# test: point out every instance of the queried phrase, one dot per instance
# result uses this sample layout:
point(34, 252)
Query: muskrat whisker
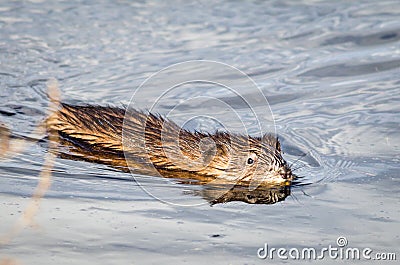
point(300, 157)
point(301, 166)
point(305, 194)
point(300, 187)
point(294, 198)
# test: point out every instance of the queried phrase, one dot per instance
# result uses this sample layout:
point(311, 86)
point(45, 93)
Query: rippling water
point(330, 71)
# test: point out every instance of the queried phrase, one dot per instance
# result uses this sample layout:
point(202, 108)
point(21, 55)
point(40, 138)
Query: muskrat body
point(131, 138)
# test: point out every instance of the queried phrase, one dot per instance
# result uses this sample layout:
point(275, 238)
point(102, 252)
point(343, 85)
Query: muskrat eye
point(251, 159)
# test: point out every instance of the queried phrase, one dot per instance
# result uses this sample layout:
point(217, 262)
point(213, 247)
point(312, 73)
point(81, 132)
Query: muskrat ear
point(272, 141)
point(278, 144)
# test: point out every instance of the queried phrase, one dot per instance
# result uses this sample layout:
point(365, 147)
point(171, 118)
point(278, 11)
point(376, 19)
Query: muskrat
point(125, 137)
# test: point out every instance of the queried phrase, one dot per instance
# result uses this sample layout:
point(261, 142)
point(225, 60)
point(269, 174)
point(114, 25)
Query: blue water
point(329, 70)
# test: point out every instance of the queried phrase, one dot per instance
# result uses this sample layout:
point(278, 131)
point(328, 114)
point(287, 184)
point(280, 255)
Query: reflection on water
point(329, 70)
point(260, 195)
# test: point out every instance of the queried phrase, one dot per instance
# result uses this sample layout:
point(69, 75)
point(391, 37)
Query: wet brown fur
point(150, 140)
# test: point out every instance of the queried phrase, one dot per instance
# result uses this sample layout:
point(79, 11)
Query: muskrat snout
point(285, 172)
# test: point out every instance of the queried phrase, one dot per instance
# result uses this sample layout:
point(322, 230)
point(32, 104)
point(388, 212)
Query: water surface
point(330, 71)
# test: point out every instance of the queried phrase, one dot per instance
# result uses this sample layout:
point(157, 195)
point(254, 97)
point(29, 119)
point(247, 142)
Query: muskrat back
point(120, 136)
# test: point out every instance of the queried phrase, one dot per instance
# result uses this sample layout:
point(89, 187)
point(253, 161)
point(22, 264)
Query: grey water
point(329, 70)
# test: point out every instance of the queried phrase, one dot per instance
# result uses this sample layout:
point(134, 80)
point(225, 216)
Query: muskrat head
point(251, 159)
